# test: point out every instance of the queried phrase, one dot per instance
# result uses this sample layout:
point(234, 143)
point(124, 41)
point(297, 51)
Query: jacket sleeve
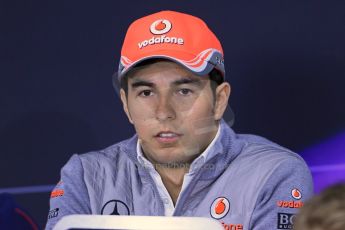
point(285, 191)
point(70, 196)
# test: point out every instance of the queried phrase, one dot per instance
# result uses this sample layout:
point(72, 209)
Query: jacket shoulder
point(264, 150)
point(111, 154)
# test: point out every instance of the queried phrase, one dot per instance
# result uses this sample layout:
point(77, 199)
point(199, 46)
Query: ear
point(125, 105)
point(222, 97)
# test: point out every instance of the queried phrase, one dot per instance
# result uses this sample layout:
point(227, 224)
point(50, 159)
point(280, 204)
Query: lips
point(167, 137)
point(167, 134)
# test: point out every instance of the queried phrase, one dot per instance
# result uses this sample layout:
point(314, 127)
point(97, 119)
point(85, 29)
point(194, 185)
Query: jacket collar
point(225, 149)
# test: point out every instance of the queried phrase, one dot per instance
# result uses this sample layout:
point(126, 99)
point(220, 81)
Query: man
point(324, 211)
point(184, 159)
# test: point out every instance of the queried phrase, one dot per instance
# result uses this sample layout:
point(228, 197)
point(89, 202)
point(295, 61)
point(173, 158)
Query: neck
point(173, 179)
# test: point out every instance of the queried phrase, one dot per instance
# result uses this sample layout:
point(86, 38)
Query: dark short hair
point(323, 211)
point(215, 76)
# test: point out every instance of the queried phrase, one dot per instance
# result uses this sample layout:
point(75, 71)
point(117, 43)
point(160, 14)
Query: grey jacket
point(250, 183)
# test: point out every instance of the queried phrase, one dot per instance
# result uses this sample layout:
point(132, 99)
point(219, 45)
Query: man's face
point(173, 111)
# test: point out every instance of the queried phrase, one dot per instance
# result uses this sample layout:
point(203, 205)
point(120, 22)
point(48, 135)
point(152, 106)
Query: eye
point(146, 93)
point(185, 91)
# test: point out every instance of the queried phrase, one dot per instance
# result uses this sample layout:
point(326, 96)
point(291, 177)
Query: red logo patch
point(220, 207)
point(295, 193)
point(290, 204)
point(232, 226)
point(161, 26)
point(56, 193)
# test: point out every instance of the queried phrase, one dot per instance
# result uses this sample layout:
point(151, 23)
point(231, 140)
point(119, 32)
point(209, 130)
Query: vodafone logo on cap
point(160, 26)
point(295, 193)
point(220, 207)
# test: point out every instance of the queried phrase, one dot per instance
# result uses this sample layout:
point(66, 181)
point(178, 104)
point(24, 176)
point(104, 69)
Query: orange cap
point(175, 36)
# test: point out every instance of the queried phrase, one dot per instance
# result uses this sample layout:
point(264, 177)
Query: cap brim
point(201, 64)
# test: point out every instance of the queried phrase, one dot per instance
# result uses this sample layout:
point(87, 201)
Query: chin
point(173, 160)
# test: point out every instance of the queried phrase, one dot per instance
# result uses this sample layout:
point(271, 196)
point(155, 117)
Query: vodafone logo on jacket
point(160, 26)
point(220, 207)
point(296, 203)
point(295, 193)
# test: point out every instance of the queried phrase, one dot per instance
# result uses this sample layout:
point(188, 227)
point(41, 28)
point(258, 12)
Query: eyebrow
point(139, 82)
point(182, 81)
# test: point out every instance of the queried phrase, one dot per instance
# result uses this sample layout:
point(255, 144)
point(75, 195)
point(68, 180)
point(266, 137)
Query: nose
point(165, 109)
